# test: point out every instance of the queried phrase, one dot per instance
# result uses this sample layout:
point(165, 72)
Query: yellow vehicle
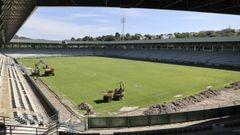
point(117, 94)
point(48, 70)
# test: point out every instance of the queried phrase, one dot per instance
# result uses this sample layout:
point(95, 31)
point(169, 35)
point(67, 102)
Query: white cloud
point(85, 15)
point(39, 27)
point(103, 21)
point(197, 16)
point(126, 12)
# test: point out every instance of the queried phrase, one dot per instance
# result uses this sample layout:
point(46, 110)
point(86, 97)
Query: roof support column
point(1, 23)
point(3, 38)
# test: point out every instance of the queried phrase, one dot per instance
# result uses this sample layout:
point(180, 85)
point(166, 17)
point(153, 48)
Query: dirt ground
point(226, 97)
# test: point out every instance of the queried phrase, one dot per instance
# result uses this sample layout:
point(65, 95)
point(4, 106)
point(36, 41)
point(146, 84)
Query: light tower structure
point(123, 21)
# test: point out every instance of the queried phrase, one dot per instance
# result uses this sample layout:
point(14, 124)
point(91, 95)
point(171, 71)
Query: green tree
point(202, 34)
point(78, 39)
point(108, 38)
point(228, 32)
point(127, 36)
point(87, 38)
point(147, 37)
point(238, 33)
point(99, 38)
point(136, 36)
point(117, 36)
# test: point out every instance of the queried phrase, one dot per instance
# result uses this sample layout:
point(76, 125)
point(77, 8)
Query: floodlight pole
point(123, 21)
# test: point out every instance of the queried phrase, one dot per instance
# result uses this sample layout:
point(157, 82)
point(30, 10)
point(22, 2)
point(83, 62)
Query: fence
point(4, 119)
point(171, 118)
point(8, 126)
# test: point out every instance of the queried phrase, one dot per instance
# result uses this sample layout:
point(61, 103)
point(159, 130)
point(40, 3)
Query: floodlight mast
point(123, 21)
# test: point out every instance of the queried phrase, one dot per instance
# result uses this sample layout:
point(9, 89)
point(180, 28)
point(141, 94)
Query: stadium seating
point(24, 110)
point(231, 59)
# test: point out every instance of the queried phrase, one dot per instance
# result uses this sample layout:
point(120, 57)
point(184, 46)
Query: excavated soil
point(229, 95)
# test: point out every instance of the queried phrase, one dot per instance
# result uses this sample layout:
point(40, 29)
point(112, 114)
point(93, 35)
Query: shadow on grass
point(99, 101)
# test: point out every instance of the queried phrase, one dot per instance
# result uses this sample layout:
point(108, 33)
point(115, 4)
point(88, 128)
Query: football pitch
point(146, 83)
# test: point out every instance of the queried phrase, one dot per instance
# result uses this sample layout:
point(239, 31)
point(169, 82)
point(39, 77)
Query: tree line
point(117, 36)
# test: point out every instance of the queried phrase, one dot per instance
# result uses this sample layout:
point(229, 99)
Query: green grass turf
point(146, 83)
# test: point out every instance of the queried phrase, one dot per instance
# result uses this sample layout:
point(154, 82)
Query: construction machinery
point(48, 70)
point(117, 94)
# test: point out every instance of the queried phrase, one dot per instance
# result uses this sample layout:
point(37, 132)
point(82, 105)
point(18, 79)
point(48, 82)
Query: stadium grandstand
point(15, 12)
point(210, 51)
point(31, 104)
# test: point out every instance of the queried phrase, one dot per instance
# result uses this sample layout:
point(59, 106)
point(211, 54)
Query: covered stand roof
point(13, 13)
point(134, 42)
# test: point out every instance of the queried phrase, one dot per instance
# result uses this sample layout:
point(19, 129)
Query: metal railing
point(9, 127)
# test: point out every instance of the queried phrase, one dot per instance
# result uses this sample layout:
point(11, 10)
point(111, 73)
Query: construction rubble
point(86, 106)
point(235, 85)
point(190, 100)
point(180, 103)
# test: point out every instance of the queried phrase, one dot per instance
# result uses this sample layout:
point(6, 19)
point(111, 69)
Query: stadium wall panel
point(135, 121)
point(50, 109)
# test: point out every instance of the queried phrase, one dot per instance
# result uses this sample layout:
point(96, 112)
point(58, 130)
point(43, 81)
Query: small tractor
point(48, 70)
point(117, 94)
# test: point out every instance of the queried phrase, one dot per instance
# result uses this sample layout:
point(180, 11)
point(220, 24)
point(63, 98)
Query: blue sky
point(58, 23)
